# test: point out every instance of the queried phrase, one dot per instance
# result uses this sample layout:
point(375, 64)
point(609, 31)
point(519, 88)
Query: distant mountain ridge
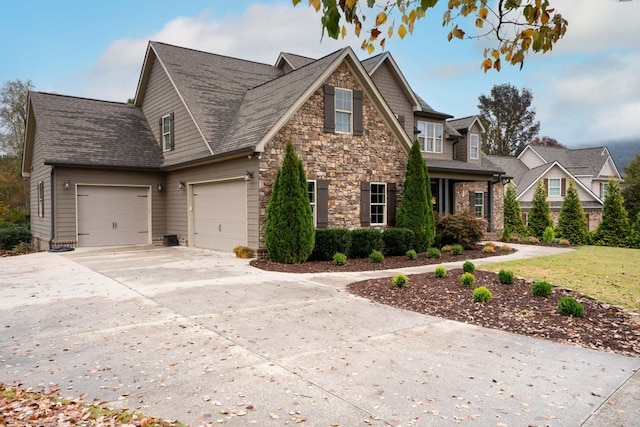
point(621, 151)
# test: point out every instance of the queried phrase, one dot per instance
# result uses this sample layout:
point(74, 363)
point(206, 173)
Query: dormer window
point(430, 136)
point(474, 146)
point(344, 110)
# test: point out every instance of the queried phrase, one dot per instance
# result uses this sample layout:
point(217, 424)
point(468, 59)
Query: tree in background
point(631, 191)
point(547, 141)
point(512, 214)
point(508, 118)
point(515, 27)
point(289, 231)
point(416, 210)
point(614, 226)
point(572, 224)
point(540, 213)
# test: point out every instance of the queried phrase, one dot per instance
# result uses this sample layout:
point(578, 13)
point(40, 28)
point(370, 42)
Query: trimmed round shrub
point(364, 241)
point(441, 272)
point(489, 250)
point(541, 289)
point(433, 253)
point(506, 277)
point(482, 294)
point(457, 249)
point(533, 240)
point(468, 267)
point(467, 279)
point(339, 258)
point(376, 256)
point(411, 254)
point(397, 241)
point(506, 248)
point(564, 242)
point(570, 307)
point(399, 281)
point(446, 249)
point(489, 244)
point(329, 241)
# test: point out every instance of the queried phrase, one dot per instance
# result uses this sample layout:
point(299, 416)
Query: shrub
point(397, 241)
point(548, 235)
point(433, 253)
point(506, 235)
point(533, 240)
point(446, 249)
point(512, 213)
point(491, 244)
point(243, 252)
point(467, 279)
point(506, 248)
point(482, 294)
point(376, 256)
point(564, 242)
point(339, 258)
point(399, 281)
point(364, 241)
point(572, 222)
point(468, 267)
point(489, 250)
point(22, 248)
point(570, 307)
point(457, 249)
point(541, 289)
point(462, 229)
point(12, 235)
point(440, 272)
point(329, 241)
point(505, 277)
point(539, 214)
point(614, 227)
point(411, 254)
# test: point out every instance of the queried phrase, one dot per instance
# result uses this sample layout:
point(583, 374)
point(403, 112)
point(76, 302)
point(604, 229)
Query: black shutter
point(365, 204)
point(391, 204)
point(322, 203)
point(563, 187)
point(329, 109)
point(357, 113)
point(171, 130)
point(546, 186)
point(160, 138)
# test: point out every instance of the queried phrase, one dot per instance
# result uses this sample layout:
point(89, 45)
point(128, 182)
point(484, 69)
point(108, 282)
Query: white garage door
point(220, 215)
point(113, 216)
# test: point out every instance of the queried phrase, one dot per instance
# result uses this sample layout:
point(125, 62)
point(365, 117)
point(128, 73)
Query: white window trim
point(384, 205)
point(166, 134)
point(559, 187)
point(474, 146)
point(337, 110)
point(314, 203)
point(475, 204)
point(604, 187)
point(423, 133)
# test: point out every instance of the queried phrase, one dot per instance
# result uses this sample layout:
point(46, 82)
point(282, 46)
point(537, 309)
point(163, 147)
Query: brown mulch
point(363, 264)
point(513, 309)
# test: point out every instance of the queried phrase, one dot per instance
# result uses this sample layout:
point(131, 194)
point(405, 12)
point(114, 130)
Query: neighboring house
point(589, 168)
point(196, 154)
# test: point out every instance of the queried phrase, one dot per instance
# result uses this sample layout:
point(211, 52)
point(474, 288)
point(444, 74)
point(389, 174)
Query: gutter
point(53, 222)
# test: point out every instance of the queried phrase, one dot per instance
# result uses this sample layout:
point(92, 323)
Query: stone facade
point(462, 199)
point(342, 159)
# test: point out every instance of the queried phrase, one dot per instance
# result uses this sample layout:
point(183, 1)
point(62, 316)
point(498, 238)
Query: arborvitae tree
point(416, 210)
point(634, 236)
point(512, 214)
point(614, 226)
point(572, 224)
point(289, 233)
point(540, 214)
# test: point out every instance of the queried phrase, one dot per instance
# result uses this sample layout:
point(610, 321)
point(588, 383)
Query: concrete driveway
point(200, 336)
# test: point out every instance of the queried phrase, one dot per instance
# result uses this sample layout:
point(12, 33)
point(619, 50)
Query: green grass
point(610, 275)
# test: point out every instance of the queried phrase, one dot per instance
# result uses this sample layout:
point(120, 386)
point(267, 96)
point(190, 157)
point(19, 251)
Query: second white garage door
point(220, 215)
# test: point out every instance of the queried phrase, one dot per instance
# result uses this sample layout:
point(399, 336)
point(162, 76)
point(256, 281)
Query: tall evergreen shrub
point(540, 213)
point(416, 210)
point(512, 214)
point(289, 231)
point(572, 224)
point(614, 226)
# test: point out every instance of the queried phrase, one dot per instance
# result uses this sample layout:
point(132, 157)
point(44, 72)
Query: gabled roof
point(465, 123)
point(87, 132)
point(294, 61)
point(373, 63)
point(512, 167)
point(426, 108)
point(581, 161)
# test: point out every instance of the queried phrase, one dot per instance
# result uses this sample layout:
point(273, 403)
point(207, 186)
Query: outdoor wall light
point(181, 185)
point(67, 184)
point(159, 187)
point(248, 175)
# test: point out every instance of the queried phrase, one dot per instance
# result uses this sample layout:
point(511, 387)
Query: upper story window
point(479, 204)
point(378, 203)
point(344, 110)
point(166, 132)
point(41, 198)
point(311, 190)
point(555, 187)
point(474, 146)
point(430, 136)
point(604, 187)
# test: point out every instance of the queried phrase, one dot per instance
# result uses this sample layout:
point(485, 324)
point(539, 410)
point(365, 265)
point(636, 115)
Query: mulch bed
point(513, 309)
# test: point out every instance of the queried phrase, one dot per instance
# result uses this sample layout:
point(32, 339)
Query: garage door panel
point(220, 215)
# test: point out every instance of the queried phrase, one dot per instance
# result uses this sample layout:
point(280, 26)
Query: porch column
point(447, 201)
point(490, 205)
point(441, 196)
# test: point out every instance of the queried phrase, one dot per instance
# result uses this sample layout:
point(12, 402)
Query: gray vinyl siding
point(65, 203)
point(474, 129)
point(161, 99)
point(40, 226)
point(177, 210)
point(395, 97)
point(462, 148)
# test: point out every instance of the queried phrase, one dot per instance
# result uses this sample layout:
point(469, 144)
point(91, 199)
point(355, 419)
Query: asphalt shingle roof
point(581, 161)
point(80, 131)
point(512, 167)
point(296, 61)
point(458, 165)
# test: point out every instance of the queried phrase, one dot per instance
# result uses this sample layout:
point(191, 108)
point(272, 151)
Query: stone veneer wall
point(342, 159)
point(462, 190)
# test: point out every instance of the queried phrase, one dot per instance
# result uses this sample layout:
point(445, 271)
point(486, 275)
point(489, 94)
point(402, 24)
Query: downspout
point(53, 222)
point(453, 147)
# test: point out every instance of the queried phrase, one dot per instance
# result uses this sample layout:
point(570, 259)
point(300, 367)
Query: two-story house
point(196, 153)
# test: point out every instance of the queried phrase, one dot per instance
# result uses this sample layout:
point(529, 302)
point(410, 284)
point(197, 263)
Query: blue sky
point(586, 91)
